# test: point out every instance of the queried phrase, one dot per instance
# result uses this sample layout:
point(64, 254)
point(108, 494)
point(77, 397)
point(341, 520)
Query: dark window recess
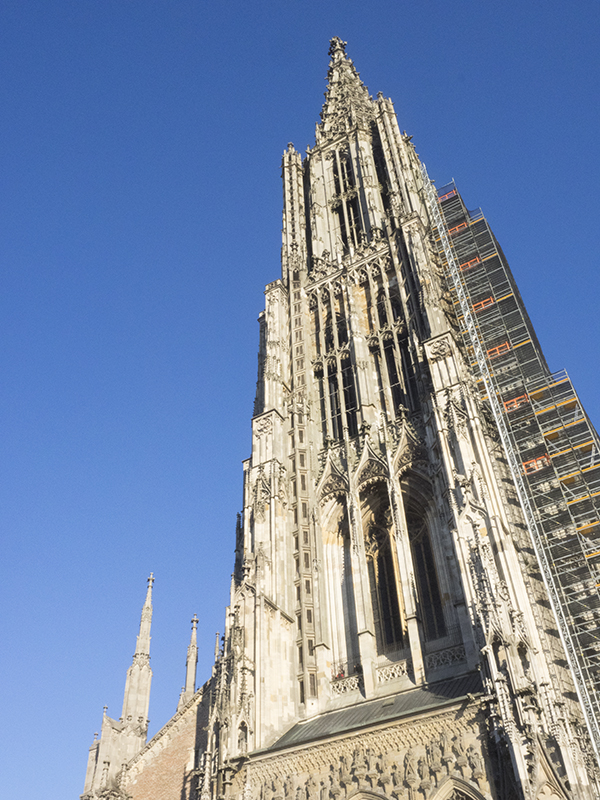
point(307, 587)
point(323, 406)
point(342, 330)
point(383, 585)
point(342, 222)
point(311, 647)
point(428, 591)
point(309, 616)
point(317, 329)
point(306, 561)
point(381, 309)
point(380, 169)
point(336, 176)
point(312, 683)
point(328, 333)
point(350, 398)
point(395, 303)
point(409, 375)
point(334, 404)
point(384, 595)
point(302, 698)
point(354, 220)
point(395, 385)
point(300, 656)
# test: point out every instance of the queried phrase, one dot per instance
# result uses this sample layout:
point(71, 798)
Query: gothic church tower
point(390, 632)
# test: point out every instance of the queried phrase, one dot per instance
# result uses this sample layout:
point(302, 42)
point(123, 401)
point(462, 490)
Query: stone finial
point(337, 48)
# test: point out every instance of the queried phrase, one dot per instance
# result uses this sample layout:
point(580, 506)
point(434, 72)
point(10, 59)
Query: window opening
point(334, 403)
point(381, 309)
point(382, 575)
point(428, 591)
point(350, 397)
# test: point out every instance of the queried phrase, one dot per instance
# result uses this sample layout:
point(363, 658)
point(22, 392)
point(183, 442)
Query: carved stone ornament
point(397, 763)
point(439, 350)
point(372, 472)
point(262, 495)
point(334, 486)
point(263, 427)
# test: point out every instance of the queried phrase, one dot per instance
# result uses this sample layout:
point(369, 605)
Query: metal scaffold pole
point(515, 466)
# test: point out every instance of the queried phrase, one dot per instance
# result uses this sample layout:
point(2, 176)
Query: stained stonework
point(389, 633)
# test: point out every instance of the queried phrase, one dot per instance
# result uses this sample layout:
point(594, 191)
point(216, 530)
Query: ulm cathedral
point(414, 605)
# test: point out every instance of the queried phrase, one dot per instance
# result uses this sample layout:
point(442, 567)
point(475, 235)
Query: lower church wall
point(165, 768)
point(428, 757)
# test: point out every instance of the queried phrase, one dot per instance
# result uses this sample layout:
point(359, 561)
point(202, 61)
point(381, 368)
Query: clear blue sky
point(140, 149)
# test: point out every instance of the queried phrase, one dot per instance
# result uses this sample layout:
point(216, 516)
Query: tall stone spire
point(347, 101)
point(190, 667)
point(139, 674)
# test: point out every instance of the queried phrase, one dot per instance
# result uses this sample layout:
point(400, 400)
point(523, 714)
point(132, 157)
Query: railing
point(346, 677)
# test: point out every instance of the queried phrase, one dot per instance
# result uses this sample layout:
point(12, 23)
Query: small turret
point(189, 689)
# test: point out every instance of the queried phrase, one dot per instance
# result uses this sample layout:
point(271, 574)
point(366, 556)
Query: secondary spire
point(190, 667)
point(139, 675)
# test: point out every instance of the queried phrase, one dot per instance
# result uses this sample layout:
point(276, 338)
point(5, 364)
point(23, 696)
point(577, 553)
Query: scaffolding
point(552, 449)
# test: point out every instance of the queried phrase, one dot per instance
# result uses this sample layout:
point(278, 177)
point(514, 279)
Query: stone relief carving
point(334, 486)
point(263, 427)
point(397, 761)
point(262, 495)
point(439, 350)
point(371, 473)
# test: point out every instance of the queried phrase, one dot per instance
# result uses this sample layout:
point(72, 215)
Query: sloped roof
point(385, 709)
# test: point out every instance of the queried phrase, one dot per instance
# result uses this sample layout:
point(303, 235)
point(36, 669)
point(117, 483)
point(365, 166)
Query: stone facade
point(389, 634)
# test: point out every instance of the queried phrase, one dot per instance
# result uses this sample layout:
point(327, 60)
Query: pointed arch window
point(381, 567)
point(428, 591)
